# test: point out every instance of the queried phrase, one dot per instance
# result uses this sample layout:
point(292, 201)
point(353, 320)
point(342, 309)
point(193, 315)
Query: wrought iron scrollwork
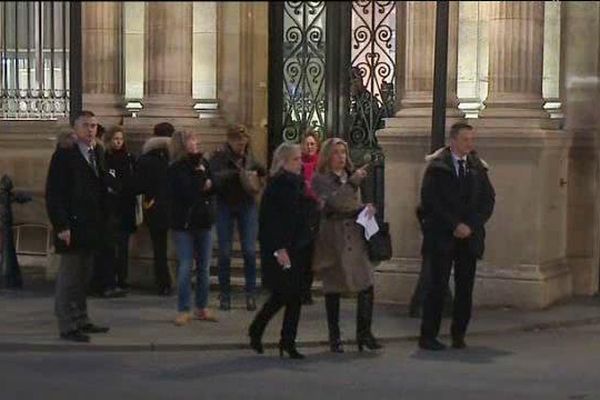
point(303, 68)
point(372, 95)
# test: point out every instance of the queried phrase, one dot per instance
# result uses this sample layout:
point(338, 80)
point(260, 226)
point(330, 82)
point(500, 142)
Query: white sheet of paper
point(369, 223)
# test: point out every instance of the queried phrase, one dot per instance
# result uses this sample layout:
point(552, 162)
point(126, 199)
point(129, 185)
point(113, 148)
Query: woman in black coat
point(284, 235)
point(120, 164)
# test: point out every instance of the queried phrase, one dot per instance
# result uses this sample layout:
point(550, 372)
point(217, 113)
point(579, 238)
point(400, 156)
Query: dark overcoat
point(121, 197)
point(190, 206)
point(76, 198)
point(225, 166)
point(284, 223)
point(442, 208)
point(151, 181)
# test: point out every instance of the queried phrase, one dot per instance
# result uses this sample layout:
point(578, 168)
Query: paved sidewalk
point(143, 322)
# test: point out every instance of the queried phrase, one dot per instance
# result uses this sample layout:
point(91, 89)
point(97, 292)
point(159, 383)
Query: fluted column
point(416, 96)
point(515, 60)
point(101, 27)
point(168, 78)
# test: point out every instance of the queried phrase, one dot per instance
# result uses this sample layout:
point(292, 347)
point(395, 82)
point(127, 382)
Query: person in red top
point(310, 154)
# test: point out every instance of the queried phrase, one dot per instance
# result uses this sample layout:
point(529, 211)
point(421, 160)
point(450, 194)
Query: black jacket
point(443, 207)
point(76, 198)
point(151, 181)
point(227, 176)
point(121, 196)
point(190, 207)
point(284, 224)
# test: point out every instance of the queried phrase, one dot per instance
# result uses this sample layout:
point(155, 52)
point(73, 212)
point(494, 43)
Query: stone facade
point(543, 241)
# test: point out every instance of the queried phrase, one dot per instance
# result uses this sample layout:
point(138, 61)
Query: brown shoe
point(205, 315)
point(182, 319)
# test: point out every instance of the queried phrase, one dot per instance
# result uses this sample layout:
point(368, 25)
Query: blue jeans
point(247, 221)
point(190, 245)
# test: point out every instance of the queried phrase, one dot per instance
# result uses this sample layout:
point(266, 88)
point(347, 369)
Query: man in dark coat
point(75, 201)
point(151, 180)
point(458, 199)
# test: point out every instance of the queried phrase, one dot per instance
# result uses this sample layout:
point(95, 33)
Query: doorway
point(332, 69)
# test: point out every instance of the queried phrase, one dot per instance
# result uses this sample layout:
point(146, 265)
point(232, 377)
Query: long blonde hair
point(177, 150)
point(281, 155)
point(324, 162)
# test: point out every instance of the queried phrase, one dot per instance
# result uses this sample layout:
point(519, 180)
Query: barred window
point(34, 76)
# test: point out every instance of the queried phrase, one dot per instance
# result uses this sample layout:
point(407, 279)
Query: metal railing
point(34, 59)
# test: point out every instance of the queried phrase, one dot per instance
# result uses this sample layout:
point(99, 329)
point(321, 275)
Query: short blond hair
point(281, 155)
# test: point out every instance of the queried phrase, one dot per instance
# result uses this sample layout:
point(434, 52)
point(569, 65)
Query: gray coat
point(341, 257)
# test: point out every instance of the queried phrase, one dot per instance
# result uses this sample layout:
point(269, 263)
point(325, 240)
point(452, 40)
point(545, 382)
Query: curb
point(15, 347)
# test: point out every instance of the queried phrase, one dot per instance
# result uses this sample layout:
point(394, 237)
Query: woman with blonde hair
point(284, 238)
point(341, 255)
point(191, 217)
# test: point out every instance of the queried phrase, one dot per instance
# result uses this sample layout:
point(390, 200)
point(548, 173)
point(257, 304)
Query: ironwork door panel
point(332, 70)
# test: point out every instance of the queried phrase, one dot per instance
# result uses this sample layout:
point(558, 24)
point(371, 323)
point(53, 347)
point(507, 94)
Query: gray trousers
point(70, 304)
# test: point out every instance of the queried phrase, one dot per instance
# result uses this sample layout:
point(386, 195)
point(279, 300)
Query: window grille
point(34, 69)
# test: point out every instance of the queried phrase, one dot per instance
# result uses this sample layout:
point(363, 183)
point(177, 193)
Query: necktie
point(92, 159)
point(461, 170)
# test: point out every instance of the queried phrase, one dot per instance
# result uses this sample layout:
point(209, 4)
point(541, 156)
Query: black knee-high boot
point(332, 305)
point(364, 317)
point(258, 325)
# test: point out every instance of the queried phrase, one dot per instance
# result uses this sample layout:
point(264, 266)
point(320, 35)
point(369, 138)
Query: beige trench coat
point(340, 258)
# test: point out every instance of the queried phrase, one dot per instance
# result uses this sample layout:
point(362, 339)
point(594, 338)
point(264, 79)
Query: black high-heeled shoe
point(256, 344)
point(369, 342)
point(336, 346)
point(291, 351)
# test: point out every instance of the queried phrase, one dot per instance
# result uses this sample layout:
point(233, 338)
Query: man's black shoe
point(75, 336)
point(91, 328)
point(458, 343)
point(165, 291)
point(431, 344)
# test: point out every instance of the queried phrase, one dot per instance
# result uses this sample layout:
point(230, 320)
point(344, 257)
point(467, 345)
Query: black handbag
point(202, 214)
point(380, 244)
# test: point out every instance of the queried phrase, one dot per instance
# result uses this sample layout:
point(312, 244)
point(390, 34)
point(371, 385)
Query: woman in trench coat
point(341, 257)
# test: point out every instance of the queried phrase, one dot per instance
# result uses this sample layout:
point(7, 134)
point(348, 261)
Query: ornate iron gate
point(332, 69)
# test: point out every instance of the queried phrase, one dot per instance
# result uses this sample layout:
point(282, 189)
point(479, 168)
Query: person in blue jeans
point(233, 167)
point(191, 216)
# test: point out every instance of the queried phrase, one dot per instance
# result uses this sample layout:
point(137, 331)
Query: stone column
point(102, 88)
point(416, 98)
point(516, 58)
point(168, 78)
point(406, 137)
point(580, 30)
